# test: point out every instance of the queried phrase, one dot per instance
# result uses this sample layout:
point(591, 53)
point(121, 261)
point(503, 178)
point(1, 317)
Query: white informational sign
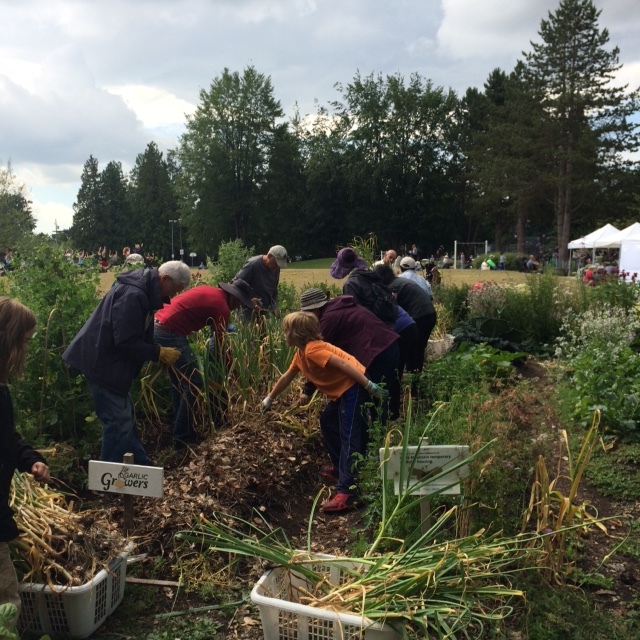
point(126, 479)
point(424, 462)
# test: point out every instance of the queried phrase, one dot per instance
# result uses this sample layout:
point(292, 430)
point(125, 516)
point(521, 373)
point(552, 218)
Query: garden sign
point(127, 479)
point(420, 464)
point(424, 462)
point(131, 479)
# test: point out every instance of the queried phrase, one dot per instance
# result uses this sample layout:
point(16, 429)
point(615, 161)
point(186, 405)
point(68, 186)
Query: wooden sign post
point(422, 463)
point(127, 479)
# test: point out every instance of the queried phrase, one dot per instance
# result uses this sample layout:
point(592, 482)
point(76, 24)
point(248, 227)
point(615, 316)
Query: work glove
point(266, 404)
point(374, 390)
point(168, 356)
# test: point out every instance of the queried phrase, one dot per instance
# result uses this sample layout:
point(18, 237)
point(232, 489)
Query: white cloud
point(52, 216)
point(106, 77)
point(155, 108)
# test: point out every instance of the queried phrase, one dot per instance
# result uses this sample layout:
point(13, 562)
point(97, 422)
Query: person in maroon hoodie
point(359, 332)
point(17, 326)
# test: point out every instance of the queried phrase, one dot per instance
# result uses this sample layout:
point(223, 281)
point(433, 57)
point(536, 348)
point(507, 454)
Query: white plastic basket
point(284, 618)
point(72, 612)
point(437, 348)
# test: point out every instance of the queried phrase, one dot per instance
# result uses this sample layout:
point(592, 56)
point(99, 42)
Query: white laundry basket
point(72, 612)
point(284, 618)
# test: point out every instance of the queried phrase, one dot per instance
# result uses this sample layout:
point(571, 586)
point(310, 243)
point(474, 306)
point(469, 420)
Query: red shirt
point(194, 309)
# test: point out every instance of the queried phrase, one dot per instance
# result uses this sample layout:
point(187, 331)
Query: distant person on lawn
point(115, 342)
point(341, 378)
point(262, 274)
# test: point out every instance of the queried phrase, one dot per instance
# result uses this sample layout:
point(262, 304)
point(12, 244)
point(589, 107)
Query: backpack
point(368, 291)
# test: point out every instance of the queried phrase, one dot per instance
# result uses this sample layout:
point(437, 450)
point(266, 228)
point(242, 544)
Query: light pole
point(181, 248)
point(173, 255)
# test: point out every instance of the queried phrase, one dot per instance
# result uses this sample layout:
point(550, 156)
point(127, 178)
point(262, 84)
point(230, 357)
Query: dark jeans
point(345, 432)
point(186, 383)
point(119, 433)
point(384, 369)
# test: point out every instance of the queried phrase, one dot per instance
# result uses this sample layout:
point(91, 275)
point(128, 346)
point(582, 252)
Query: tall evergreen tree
point(589, 117)
point(85, 232)
point(224, 156)
point(505, 149)
point(153, 201)
point(115, 228)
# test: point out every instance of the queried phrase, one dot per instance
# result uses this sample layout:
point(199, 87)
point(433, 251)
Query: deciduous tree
point(224, 156)
point(16, 217)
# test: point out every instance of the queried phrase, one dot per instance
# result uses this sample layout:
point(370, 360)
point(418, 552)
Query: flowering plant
point(603, 367)
point(485, 300)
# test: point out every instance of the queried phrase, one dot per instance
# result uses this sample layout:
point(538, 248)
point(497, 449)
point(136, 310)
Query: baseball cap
point(407, 263)
point(280, 254)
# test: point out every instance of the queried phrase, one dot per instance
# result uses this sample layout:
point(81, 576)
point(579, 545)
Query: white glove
point(266, 404)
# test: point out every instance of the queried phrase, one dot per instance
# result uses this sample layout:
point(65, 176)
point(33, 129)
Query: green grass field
point(307, 272)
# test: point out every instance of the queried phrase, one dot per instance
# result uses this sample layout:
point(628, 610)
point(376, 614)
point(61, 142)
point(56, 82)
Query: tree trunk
point(521, 227)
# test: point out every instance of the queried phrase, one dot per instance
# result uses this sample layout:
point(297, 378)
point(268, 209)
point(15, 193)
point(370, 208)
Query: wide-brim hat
point(313, 299)
point(240, 290)
point(346, 261)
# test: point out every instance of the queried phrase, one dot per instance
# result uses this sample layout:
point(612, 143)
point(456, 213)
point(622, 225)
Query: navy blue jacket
point(14, 454)
point(117, 339)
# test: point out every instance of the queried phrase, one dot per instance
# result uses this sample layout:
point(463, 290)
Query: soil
point(271, 464)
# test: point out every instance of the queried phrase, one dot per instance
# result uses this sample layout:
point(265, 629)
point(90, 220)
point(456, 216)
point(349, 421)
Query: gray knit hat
point(313, 299)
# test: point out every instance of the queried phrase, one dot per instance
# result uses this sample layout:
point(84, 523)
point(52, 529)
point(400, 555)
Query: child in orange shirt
point(341, 378)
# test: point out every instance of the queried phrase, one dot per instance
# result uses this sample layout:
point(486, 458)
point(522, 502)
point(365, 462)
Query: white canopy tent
point(615, 241)
point(628, 241)
point(597, 239)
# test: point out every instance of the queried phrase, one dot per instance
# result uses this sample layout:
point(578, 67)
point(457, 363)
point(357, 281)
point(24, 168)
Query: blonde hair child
point(341, 378)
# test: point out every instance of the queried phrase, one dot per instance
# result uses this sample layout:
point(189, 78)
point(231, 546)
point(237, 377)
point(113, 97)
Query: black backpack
point(366, 288)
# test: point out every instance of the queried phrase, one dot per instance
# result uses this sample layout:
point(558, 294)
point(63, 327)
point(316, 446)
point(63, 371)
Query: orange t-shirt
point(312, 363)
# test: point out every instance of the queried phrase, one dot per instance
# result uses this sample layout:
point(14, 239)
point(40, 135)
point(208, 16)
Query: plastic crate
point(284, 618)
point(72, 612)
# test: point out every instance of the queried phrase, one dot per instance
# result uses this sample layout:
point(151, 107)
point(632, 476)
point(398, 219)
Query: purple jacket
point(354, 329)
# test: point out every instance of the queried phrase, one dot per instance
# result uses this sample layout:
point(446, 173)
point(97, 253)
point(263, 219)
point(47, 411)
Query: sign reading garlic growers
point(126, 479)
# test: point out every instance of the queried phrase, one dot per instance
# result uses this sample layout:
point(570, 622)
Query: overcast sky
point(104, 78)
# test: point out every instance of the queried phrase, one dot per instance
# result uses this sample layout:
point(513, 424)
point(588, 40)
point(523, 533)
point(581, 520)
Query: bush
point(536, 309)
point(453, 298)
point(231, 256)
point(50, 400)
point(603, 368)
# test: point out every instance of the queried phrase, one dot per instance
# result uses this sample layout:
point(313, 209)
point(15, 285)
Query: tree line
point(545, 149)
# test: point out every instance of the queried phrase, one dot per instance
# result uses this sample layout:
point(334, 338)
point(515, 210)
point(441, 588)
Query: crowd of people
point(352, 348)
point(107, 258)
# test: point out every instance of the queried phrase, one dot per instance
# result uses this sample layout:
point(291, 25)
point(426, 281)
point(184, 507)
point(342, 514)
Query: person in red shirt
point(341, 378)
point(197, 308)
